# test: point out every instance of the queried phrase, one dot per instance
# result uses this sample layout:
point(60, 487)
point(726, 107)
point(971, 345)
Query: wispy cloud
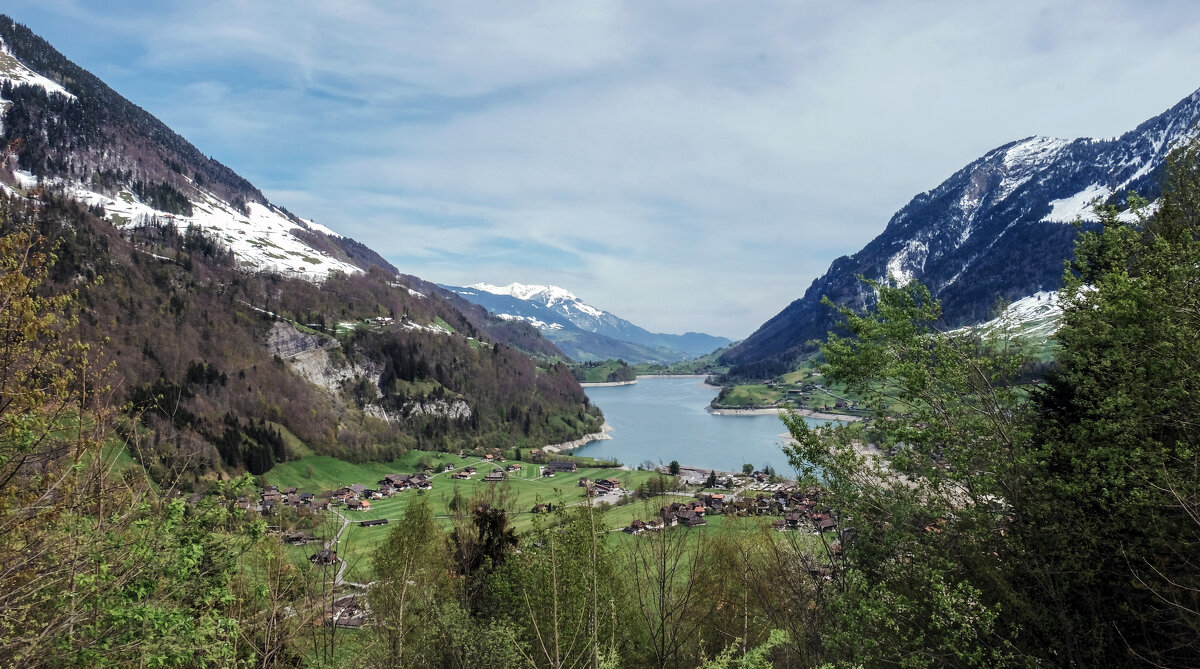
point(689, 166)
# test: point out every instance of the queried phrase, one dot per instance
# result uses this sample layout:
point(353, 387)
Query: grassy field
point(522, 490)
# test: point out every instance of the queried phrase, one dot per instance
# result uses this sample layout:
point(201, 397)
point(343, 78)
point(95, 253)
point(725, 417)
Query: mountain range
point(997, 230)
point(582, 331)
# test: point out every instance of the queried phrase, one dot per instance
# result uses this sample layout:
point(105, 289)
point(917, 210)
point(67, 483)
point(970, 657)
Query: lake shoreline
point(582, 441)
point(605, 384)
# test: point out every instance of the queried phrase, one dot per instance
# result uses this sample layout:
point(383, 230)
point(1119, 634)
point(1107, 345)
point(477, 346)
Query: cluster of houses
point(797, 510)
point(356, 497)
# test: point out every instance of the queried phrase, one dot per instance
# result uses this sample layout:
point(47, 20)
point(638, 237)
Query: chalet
point(289, 491)
point(691, 519)
point(449, 467)
point(470, 470)
point(489, 456)
point(460, 475)
point(357, 489)
point(292, 499)
point(561, 466)
point(610, 484)
point(323, 557)
point(584, 482)
point(826, 524)
point(358, 505)
point(396, 480)
point(513, 468)
point(345, 612)
point(792, 520)
point(494, 477)
point(636, 527)
point(373, 523)
point(298, 538)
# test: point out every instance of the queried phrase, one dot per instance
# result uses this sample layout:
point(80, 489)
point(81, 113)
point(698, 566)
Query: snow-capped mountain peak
point(523, 291)
point(563, 318)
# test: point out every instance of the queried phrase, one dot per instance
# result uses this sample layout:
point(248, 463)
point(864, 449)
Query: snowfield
point(15, 71)
point(261, 239)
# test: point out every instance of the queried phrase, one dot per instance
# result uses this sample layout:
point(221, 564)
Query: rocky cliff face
point(998, 229)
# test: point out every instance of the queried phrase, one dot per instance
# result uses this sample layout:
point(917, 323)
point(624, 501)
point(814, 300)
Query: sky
point(689, 166)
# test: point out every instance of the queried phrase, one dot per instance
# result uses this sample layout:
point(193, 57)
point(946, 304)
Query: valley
point(232, 436)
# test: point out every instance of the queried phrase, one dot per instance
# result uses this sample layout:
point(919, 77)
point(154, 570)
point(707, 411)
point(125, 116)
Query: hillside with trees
point(189, 337)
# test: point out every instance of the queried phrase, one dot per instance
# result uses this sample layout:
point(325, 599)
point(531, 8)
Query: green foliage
point(755, 658)
point(1004, 531)
point(411, 584)
point(100, 569)
point(1120, 458)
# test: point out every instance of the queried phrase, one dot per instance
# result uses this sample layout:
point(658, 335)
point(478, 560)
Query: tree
point(673, 468)
point(669, 573)
point(1121, 450)
point(99, 569)
point(747, 468)
point(926, 560)
point(561, 592)
point(411, 582)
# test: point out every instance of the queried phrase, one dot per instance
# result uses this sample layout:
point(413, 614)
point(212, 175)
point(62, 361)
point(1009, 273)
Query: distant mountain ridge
point(995, 230)
point(583, 331)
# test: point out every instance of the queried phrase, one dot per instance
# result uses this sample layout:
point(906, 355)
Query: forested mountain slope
point(234, 326)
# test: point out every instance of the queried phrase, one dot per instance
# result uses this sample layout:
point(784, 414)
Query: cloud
point(687, 165)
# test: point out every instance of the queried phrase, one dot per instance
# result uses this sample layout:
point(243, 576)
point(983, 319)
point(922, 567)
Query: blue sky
point(686, 165)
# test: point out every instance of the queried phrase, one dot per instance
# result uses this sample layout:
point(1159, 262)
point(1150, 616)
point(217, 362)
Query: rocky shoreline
point(584, 440)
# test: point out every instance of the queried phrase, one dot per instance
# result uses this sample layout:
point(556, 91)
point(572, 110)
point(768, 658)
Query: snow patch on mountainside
point(539, 324)
point(261, 239)
point(1078, 206)
point(903, 266)
point(1036, 317)
point(15, 71)
point(1025, 159)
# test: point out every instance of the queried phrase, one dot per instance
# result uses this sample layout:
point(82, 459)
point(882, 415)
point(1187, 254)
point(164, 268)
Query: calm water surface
point(664, 419)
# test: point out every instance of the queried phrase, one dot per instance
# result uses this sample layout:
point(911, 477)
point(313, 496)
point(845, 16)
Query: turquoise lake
point(661, 420)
